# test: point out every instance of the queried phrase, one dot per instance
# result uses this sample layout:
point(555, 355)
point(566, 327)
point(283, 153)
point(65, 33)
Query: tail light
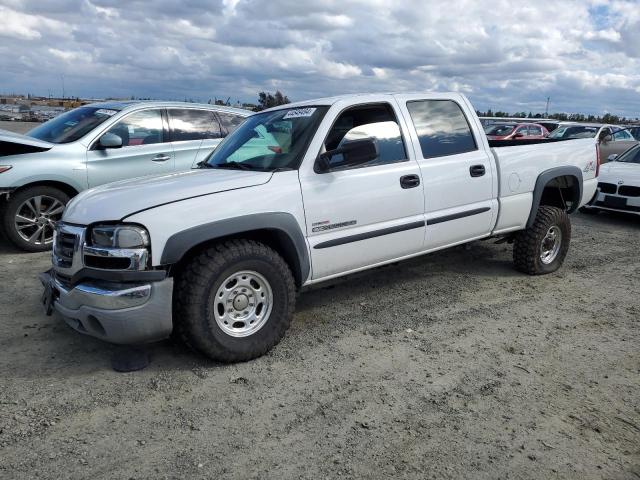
point(598, 161)
point(275, 149)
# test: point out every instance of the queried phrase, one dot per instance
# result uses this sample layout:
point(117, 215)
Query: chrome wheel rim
point(36, 217)
point(550, 245)
point(243, 303)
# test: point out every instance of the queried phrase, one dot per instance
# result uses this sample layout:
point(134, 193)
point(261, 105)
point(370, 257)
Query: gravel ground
point(18, 127)
point(449, 366)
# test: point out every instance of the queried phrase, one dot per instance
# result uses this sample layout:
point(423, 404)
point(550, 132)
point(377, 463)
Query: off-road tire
point(195, 323)
point(11, 206)
point(527, 247)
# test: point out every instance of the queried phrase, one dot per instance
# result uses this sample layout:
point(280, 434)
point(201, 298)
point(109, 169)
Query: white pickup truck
point(301, 194)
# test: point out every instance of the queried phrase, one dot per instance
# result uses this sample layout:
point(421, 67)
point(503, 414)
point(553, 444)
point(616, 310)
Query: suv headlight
point(119, 236)
point(117, 247)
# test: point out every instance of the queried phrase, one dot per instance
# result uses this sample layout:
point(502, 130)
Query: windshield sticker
point(105, 111)
point(299, 113)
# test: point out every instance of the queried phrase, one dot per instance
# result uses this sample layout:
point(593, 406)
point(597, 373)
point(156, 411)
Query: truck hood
point(15, 144)
point(613, 172)
point(115, 201)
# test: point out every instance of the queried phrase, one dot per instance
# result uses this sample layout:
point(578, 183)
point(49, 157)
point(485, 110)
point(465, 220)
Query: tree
point(267, 100)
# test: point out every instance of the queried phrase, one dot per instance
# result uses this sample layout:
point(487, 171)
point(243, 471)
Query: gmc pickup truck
point(297, 195)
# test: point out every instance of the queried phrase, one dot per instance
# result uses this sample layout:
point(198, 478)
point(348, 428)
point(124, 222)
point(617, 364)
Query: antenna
point(546, 110)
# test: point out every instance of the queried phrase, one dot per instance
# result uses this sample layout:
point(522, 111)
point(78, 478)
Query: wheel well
point(65, 187)
point(275, 239)
point(562, 192)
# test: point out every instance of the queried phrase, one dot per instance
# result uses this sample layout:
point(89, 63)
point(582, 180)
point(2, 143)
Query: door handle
point(409, 181)
point(477, 170)
point(161, 157)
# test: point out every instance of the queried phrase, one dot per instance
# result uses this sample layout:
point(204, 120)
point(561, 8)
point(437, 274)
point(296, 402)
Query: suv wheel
point(30, 215)
point(543, 247)
point(234, 301)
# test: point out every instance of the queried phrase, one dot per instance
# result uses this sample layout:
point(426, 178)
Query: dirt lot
point(18, 127)
point(448, 366)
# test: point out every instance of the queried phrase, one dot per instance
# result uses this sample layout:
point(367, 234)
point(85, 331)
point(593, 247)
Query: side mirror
point(354, 152)
point(518, 135)
point(612, 157)
point(110, 140)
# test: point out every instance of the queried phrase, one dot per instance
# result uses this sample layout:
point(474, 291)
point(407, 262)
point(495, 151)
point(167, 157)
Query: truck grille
point(607, 187)
point(67, 248)
point(64, 247)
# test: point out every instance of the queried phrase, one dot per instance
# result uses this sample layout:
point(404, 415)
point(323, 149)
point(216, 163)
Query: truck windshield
point(72, 125)
point(269, 140)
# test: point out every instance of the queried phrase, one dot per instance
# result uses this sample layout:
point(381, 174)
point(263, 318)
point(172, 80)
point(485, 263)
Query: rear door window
point(442, 128)
point(193, 124)
point(533, 130)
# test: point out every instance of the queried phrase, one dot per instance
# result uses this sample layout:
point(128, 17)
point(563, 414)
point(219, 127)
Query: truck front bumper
point(123, 313)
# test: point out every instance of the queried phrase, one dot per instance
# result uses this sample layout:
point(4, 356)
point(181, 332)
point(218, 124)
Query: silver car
point(96, 144)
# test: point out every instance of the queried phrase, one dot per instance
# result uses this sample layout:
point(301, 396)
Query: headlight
point(4, 168)
point(119, 236)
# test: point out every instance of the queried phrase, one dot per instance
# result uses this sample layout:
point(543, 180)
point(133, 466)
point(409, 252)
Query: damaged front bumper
point(124, 313)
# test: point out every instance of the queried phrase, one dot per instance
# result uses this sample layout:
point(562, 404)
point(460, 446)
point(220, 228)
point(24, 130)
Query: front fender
point(281, 222)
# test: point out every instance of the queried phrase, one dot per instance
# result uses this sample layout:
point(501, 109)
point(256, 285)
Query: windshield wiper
point(235, 165)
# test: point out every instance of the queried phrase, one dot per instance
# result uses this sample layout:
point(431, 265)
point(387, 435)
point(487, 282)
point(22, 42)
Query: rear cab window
point(442, 128)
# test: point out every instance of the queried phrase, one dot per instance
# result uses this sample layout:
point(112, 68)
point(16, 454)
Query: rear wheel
point(234, 301)
point(542, 248)
point(29, 217)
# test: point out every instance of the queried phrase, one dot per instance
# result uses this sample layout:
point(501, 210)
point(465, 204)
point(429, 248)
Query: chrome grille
point(67, 248)
point(63, 247)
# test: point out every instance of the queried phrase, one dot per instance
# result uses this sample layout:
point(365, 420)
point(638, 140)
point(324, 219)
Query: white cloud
point(582, 53)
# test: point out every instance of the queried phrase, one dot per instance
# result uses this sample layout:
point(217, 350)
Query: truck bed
point(519, 165)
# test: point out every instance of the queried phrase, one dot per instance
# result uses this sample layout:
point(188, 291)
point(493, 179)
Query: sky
point(505, 55)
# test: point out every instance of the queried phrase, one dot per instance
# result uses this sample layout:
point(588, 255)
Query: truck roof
point(328, 101)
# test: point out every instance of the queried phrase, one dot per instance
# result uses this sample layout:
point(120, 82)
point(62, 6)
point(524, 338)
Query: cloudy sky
point(508, 55)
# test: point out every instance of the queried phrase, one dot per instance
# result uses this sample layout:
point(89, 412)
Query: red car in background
point(515, 131)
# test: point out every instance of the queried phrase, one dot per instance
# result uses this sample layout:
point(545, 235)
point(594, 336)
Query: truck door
point(360, 216)
point(457, 168)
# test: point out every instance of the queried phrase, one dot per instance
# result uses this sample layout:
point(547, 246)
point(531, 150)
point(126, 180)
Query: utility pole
point(546, 110)
point(62, 86)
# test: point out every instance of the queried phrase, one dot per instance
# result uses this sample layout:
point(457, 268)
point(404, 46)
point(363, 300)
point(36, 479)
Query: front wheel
point(542, 248)
point(30, 215)
point(234, 301)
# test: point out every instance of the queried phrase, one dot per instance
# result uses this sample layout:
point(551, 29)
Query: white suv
point(96, 144)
